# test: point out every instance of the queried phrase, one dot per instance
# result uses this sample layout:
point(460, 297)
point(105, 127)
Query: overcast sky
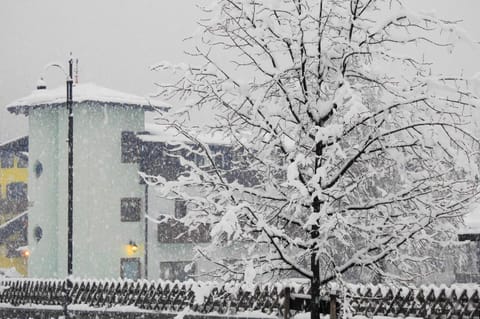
point(117, 40)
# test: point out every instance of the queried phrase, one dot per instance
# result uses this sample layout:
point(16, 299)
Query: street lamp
point(69, 101)
point(69, 82)
point(131, 248)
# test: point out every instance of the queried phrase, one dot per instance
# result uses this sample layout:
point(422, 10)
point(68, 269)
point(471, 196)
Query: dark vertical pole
point(314, 260)
point(70, 166)
point(286, 303)
point(315, 268)
point(145, 246)
point(333, 305)
point(68, 284)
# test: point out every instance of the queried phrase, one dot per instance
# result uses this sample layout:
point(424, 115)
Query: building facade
point(13, 206)
point(108, 200)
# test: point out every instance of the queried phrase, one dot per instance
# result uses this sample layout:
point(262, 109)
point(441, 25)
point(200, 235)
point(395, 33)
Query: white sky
point(117, 40)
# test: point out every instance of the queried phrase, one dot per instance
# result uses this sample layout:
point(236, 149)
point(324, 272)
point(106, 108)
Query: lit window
point(130, 268)
point(130, 209)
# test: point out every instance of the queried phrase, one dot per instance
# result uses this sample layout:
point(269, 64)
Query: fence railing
point(163, 299)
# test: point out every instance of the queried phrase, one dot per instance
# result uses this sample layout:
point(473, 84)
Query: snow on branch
point(344, 158)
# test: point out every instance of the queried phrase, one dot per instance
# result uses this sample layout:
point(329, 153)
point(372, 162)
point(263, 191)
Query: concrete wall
point(44, 149)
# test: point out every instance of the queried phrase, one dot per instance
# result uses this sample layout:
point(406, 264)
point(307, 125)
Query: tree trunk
point(315, 282)
point(314, 261)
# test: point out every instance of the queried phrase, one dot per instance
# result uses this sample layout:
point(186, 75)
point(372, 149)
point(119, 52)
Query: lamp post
point(70, 170)
point(69, 103)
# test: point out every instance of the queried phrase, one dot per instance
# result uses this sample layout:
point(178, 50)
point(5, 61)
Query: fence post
point(333, 304)
point(286, 303)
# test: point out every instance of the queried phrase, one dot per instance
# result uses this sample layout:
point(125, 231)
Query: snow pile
point(9, 273)
point(82, 93)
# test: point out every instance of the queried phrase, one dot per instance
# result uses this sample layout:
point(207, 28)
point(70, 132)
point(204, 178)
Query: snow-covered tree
point(359, 156)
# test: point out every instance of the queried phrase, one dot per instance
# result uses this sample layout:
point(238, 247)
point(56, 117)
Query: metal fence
point(30, 298)
point(460, 301)
point(105, 299)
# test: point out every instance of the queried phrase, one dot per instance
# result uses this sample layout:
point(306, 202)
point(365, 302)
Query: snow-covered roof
point(18, 145)
point(82, 93)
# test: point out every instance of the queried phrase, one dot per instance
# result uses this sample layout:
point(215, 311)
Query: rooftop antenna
point(76, 71)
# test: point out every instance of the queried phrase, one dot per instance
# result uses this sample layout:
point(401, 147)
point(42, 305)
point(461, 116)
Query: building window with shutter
point(130, 209)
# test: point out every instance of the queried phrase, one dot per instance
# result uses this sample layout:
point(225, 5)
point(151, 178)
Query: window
point(12, 251)
point(130, 209)
point(180, 209)
point(38, 169)
point(171, 231)
point(131, 148)
point(177, 270)
point(16, 197)
point(130, 268)
point(199, 160)
point(218, 160)
point(22, 161)
point(37, 233)
point(17, 192)
point(6, 159)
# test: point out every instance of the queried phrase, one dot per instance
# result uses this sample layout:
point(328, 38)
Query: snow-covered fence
point(147, 298)
point(458, 301)
point(162, 299)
